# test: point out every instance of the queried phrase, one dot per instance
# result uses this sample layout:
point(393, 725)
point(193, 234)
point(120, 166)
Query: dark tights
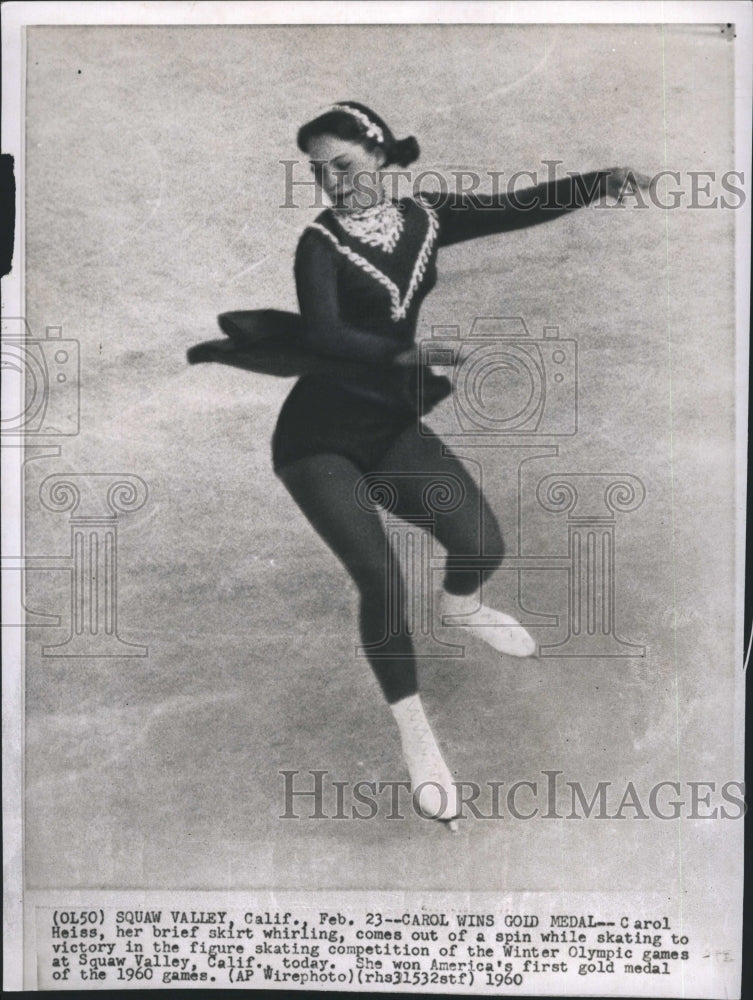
point(326, 488)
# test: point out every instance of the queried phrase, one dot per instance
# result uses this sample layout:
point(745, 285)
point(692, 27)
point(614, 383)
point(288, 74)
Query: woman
point(361, 275)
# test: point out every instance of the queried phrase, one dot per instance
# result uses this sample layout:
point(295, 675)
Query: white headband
point(372, 129)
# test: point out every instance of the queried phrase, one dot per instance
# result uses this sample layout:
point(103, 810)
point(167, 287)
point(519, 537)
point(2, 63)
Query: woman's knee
point(472, 530)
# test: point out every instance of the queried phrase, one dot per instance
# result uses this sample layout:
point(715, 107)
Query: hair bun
point(405, 151)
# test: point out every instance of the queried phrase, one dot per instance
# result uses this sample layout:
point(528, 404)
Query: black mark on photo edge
point(7, 212)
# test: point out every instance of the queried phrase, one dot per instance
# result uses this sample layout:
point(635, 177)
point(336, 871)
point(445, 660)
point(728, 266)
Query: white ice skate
point(500, 631)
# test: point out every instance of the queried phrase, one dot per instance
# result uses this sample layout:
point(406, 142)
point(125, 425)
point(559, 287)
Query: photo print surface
point(411, 588)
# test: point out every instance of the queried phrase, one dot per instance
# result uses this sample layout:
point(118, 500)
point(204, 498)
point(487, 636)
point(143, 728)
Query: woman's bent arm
point(324, 330)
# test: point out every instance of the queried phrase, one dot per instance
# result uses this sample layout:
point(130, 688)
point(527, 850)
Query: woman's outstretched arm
point(324, 330)
point(468, 216)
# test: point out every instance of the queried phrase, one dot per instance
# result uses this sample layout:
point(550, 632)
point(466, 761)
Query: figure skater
point(362, 270)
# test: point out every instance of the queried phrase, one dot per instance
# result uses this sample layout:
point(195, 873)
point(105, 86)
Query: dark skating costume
point(359, 303)
point(360, 290)
point(360, 282)
point(361, 278)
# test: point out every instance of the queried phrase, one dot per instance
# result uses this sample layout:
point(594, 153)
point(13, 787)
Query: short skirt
point(327, 415)
point(337, 407)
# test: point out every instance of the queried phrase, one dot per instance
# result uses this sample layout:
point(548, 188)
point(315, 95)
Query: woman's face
point(346, 171)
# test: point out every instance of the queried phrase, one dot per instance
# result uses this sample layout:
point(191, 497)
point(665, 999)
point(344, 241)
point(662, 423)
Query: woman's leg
point(324, 487)
point(468, 530)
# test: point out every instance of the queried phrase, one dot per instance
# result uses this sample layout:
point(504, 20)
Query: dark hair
point(351, 126)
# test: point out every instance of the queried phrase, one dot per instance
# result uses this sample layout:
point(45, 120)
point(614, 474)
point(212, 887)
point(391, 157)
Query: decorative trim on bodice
point(399, 307)
point(377, 226)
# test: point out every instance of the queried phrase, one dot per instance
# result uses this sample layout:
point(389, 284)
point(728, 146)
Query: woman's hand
point(406, 359)
point(625, 180)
